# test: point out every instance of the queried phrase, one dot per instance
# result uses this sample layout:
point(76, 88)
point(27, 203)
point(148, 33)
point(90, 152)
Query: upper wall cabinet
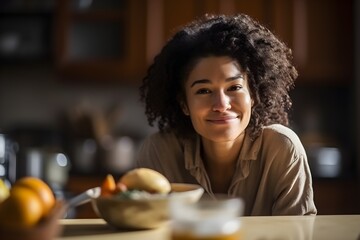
point(101, 39)
point(113, 39)
point(165, 17)
point(320, 33)
point(25, 31)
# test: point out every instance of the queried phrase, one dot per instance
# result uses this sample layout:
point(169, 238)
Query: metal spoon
point(84, 197)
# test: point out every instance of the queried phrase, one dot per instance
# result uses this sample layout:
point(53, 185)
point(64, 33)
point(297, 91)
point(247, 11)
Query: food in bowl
point(137, 183)
point(146, 179)
point(140, 199)
point(146, 212)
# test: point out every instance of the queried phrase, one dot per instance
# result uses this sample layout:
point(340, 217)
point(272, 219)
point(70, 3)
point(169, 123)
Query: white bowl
point(144, 213)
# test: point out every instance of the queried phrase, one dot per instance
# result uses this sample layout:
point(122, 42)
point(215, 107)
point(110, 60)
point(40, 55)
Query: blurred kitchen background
point(70, 71)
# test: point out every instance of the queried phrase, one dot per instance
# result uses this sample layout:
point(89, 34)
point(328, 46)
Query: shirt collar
point(192, 153)
point(250, 148)
point(195, 165)
point(192, 148)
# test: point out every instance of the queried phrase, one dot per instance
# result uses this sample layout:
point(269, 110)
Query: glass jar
point(208, 219)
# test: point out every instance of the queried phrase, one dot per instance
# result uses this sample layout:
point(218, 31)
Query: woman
point(218, 92)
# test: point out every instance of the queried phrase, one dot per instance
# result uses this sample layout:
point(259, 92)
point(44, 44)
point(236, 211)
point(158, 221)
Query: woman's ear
point(184, 108)
point(183, 105)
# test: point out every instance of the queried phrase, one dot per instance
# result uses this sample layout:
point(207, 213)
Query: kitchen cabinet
point(330, 41)
point(25, 32)
point(320, 34)
point(190, 9)
point(119, 41)
point(102, 40)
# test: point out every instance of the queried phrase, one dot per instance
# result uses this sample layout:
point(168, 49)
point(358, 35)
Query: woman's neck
point(222, 154)
point(220, 161)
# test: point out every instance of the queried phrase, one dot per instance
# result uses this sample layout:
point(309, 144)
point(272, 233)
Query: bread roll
point(146, 179)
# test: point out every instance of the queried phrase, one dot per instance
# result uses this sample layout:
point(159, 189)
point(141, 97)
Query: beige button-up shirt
point(272, 175)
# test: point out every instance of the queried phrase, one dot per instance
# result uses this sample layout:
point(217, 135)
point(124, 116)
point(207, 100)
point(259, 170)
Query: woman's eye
point(203, 91)
point(235, 88)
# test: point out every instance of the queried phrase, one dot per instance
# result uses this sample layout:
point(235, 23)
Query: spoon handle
point(84, 197)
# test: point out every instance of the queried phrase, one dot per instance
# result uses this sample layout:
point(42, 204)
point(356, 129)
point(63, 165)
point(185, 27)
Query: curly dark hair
point(266, 60)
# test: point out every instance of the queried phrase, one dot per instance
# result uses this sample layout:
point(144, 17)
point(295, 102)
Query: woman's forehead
point(208, 66)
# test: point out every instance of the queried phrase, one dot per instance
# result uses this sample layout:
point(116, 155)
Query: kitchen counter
point(344, 227)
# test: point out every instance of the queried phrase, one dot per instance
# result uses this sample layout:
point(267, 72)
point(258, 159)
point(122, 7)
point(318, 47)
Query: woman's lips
point(223, 120)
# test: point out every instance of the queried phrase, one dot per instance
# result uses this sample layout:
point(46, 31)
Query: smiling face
point(218, 99)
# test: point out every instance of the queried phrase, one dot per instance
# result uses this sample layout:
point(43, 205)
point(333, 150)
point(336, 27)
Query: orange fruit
point(22, 209)
point(108, 186)
point(40, 188)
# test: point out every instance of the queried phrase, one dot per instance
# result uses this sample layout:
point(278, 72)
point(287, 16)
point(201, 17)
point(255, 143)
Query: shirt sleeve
point(293, 191)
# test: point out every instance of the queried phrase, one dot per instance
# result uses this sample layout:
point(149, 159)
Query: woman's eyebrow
point(236, 77)
point(200, 81)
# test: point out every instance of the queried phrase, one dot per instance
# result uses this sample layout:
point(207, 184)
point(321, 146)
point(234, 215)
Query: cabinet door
point(178, 13)
point(329, 41)
point(101, 41)
point(320, 34)
point(165, 17)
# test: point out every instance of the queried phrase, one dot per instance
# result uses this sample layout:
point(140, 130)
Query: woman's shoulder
point(284, 143)
point(279, 131)
point(280, 135)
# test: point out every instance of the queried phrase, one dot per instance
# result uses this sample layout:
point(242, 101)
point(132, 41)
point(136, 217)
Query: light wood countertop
point(337, 227)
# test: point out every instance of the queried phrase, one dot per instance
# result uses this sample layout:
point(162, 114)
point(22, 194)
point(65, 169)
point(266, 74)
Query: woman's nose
point(221, 102)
